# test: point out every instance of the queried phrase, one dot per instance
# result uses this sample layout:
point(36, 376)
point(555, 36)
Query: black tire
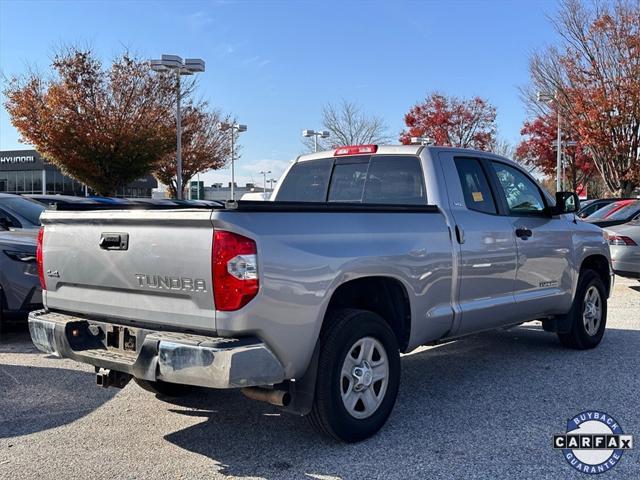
point(164, 388)
point(578, 336)
point(329, 415)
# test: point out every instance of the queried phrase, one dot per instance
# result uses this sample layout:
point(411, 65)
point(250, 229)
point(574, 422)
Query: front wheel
point(358, 376)
point(588, 314)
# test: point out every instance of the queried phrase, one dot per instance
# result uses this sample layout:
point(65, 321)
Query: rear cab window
point(368, 179)
point(306, 182)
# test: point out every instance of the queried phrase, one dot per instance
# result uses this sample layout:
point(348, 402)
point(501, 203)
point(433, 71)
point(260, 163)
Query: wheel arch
point(599, 264)
point(383, 295)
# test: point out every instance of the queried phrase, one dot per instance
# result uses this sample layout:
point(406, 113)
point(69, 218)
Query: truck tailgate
point(141, 266)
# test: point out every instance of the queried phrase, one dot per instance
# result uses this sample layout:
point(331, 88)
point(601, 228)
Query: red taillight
point(355, 150)
point(40, 258)
point(621, 240)
point(235, 270)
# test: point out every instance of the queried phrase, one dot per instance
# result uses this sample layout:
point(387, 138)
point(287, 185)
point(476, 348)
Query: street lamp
point(174, 63)
point(315, 134)
point(271, 182)
point(547, 97)
point(264, 180)
point(234, 127)
point(566, 145)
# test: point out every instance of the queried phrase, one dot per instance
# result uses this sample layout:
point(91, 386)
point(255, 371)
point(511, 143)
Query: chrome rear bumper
point(182, 358)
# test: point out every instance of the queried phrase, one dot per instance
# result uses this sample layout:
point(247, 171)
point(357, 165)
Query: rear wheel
point(164, 388)
point(358, 376)
point(588, 315)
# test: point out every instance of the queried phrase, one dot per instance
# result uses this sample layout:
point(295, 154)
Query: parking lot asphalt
point(481, 407)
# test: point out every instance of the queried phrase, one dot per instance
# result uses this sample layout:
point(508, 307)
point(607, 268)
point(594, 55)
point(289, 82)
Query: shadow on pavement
point(492, 401)
point(15, 338)
point(33, 399)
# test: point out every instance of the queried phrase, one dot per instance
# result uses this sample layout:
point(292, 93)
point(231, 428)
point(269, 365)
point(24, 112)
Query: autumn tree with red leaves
point(594, 76)
point(452, 121)
point(538, 149)
point(103, 127)
point(106, 127)
point(204, 147)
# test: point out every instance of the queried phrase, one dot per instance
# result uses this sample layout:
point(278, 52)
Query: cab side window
point(522, 194)
point(475, 186)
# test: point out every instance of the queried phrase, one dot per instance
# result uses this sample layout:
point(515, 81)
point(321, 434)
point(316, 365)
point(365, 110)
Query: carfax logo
point(594, 442)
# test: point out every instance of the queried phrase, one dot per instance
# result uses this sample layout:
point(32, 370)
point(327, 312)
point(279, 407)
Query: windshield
point(604, 211)
point(26, 208)
point(625, 212)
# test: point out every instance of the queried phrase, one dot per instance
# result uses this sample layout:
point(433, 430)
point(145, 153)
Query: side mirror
point(566, 202)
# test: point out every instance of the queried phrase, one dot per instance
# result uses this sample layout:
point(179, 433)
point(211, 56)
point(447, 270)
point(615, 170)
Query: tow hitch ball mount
point(110, 378)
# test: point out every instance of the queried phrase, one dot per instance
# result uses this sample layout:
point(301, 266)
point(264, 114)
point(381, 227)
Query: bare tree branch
point(348, 124)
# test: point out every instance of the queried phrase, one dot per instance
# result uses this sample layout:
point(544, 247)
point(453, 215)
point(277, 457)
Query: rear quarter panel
point(304, 257)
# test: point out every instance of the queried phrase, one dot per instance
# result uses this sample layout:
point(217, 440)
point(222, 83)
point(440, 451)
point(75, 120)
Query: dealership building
point(26, 172)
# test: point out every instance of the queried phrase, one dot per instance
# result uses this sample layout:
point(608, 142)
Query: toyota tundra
point(307, 301)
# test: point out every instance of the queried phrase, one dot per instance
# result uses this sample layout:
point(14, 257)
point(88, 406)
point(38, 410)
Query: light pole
point(547, 97)
point(315, 134)
point(271, 182)
point(566, 145)
point(264, 180)
point(234, 127)
point(187, 67)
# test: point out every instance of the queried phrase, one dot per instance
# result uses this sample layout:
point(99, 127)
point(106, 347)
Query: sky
point(274, 64)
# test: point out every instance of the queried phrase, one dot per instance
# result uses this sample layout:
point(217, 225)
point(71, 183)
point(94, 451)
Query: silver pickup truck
point(307, 301)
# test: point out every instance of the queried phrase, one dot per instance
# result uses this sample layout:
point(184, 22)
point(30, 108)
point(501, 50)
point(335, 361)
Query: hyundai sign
point(12, 159)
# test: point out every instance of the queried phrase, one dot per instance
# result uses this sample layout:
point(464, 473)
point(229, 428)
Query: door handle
point(459, 235)
point(523, 232)
point(114, 241)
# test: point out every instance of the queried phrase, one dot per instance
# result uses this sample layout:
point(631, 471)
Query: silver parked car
point(624, 242)
point(19, 212)
point(19, 285)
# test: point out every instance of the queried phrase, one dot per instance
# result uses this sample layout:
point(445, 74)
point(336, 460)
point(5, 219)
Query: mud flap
point(557, 324)
point(303, 389)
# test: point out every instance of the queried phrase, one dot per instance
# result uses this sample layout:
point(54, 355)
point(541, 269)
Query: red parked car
point(608, 210)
